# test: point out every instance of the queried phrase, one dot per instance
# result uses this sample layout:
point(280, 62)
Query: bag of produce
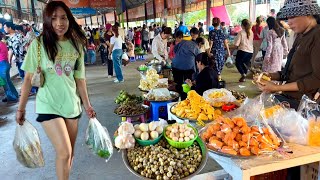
point(98, 139)
point(26, 143)
point(291, 125)
point(125, 139)
point(160, 94)
point(218, 97)
point(311, 111)
point(235, 136)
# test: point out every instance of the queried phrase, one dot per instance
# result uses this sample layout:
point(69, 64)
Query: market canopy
point(82, 8)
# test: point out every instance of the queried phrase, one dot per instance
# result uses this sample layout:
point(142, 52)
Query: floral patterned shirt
point(17, 44)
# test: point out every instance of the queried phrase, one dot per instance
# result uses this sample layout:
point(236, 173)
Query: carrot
point(244, 151)
point(216, 144)
point(228, 150)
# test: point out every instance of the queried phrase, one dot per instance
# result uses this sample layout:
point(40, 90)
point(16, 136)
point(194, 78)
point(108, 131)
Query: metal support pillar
point(183, 9)
point(208, 14)
point(33, 11)
point(145, 13)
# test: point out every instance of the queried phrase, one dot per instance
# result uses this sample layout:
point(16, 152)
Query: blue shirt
point(185, 54)
point(184, 29)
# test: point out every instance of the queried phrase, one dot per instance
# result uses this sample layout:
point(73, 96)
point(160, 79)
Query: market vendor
point(207, 77)
point(159, 45)
point(302, 71)
point(183, 64)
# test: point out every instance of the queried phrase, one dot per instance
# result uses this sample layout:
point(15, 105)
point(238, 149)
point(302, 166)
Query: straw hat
point(294, 8)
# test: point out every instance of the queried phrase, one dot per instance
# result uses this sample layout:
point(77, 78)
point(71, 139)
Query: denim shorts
point(47, 117)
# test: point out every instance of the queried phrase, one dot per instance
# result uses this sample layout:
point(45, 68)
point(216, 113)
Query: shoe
point(242, 79)
point(103, 64)
point(109, 76)
point(4, 100)
point(117, 81)
point(31, 94)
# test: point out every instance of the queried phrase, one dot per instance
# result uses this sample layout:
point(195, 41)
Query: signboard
point(150, 8)
point(83, 11)
point(110, 17)
point(102, 3)
point(174, 4)
point(10, 3)
point(159, 5)
point(76, 3)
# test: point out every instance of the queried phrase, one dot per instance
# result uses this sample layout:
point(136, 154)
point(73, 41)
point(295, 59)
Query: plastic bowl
point(149, 142)
point(186, 88)
point(181, 145)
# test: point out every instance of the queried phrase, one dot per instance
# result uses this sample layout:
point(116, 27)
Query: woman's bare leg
point(56, 130)
point(72, 127)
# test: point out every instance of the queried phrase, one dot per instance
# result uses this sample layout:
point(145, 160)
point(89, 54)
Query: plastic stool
point(155, 107)
point(132, 59)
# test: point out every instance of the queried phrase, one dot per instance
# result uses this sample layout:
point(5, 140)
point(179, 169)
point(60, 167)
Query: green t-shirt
point(59, 93)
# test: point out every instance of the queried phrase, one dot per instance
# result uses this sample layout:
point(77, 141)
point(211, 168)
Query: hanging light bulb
point(7, 16)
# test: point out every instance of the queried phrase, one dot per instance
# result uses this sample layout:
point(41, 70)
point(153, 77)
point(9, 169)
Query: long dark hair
point(247, 27)
point(115, 30)
point(50, 38)
point(205, 59)
point(273, 24)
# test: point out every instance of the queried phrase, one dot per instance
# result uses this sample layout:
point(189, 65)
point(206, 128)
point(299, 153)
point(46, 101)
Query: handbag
point(38, 77)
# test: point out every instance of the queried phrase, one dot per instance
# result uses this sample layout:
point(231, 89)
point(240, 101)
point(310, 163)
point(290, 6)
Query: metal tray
point(185, 118)
point(146, 110)
point(230, 155)
point(201, 166)
point(174, 96)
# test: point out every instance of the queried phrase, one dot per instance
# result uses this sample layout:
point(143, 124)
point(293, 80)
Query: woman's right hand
point(20, 116)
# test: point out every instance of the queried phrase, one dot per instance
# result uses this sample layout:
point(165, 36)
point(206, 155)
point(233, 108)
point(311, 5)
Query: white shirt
point(116, 42)
point(159, 48)
point(151, 34)
point(243, 43)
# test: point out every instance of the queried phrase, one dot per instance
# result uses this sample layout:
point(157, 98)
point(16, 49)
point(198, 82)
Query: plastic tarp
point(222, 13)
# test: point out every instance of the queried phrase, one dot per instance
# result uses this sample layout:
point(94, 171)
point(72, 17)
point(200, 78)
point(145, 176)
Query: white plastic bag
point(229, 62)
point(160, 94)
point(215, 96)
point(98, 139)
point(125, 140)
point(26, 143)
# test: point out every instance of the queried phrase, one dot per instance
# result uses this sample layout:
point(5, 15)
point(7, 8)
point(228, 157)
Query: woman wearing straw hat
point(302, 71)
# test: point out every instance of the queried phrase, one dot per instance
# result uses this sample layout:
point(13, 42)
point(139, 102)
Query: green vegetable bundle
point(98, 139)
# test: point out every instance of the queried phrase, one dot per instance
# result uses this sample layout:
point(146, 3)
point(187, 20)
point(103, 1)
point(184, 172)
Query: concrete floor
point(102, 92)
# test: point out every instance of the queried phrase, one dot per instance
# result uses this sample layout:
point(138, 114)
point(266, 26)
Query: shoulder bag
point(38, 77)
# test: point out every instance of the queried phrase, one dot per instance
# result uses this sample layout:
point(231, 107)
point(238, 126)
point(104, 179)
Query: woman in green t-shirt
point(58, 104)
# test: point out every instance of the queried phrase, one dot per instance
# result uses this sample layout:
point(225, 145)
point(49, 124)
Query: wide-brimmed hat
point(294, 8)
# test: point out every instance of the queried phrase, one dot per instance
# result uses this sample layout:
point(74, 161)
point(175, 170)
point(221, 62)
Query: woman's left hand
point(268, 86)
point(90, 112)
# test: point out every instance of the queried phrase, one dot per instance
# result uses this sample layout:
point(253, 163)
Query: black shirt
point(206, 79)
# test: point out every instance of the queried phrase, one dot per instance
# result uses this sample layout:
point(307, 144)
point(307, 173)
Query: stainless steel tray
point(201, 166)
point(174, 96)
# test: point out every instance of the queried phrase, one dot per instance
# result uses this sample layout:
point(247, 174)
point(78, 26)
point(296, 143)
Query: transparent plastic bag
point(98, 139)
point(229, 62)
point(311, 111)
point(291, 125)
point(160, 94)
point(218, 97)
point(124, 139)
point(26, 144)
point(235, 136)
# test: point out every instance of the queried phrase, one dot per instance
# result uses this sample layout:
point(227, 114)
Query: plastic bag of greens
point(98, 139)
point(26, 143)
